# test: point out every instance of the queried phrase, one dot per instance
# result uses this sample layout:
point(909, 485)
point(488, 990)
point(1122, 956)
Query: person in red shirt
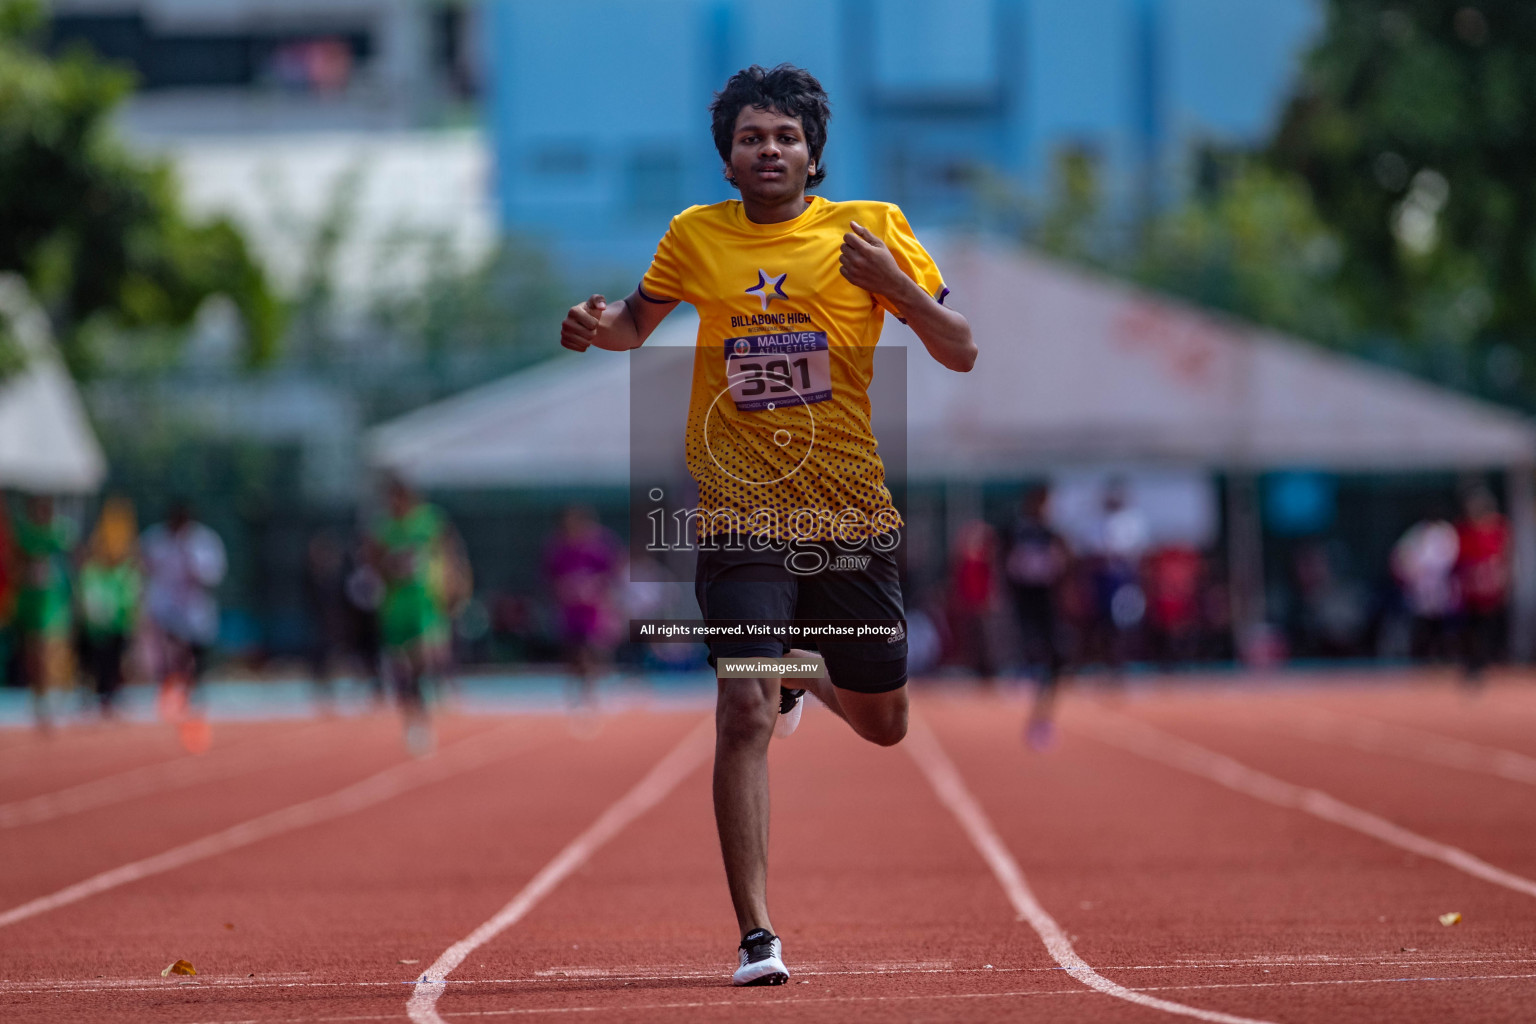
point(1482, 571)
point(973, 597)
point(1173, 574)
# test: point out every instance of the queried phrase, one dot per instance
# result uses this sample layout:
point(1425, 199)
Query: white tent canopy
point(1078, 368)
point(46, 442)
point(1075, 369)
point(564, 422)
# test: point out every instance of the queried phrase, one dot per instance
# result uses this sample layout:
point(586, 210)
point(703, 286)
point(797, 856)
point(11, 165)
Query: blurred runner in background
point(1482, 570)
point(420, 562)
point(584, 563)
point(184, 562)
point(1035, 565)
point(43, 614)
point(109, 590)
point(1424, 564)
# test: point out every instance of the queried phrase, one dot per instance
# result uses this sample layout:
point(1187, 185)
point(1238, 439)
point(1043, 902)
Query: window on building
point(655, 182)
point(561, 160)
point(935, 53)
point(320, 62)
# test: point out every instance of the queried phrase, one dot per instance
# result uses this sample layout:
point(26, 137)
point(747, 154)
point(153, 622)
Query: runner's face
point(769, 155)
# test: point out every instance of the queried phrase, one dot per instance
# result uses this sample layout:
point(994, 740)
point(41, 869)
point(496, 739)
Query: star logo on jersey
point(765, 281)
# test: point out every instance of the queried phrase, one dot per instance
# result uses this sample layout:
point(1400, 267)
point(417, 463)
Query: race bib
point(770, 371)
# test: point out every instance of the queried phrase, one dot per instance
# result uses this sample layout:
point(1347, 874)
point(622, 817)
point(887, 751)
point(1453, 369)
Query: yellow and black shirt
point(779, 437)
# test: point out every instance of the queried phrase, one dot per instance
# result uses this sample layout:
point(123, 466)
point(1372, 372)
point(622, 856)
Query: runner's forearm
point(625, 325)
point(618, 331)
point(944, 332)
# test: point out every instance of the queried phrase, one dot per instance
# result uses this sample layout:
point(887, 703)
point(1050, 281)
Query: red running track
point(1211, 851)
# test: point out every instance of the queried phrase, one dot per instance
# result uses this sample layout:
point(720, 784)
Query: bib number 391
point(770, 371)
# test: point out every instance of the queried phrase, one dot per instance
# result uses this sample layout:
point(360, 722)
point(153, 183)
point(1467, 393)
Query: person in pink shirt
point(584, 564)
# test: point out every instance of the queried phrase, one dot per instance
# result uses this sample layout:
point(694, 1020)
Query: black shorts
point(749, 585)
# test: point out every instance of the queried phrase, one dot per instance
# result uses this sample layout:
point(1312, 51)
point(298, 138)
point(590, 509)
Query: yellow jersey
point(779, 438)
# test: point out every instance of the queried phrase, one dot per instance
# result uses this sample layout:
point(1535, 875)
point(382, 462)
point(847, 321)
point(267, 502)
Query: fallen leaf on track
point(1449, 919)
point(410, 961)
point(179, 967)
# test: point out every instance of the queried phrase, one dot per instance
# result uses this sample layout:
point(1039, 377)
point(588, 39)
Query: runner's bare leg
point(878, 717)
point(745, 713)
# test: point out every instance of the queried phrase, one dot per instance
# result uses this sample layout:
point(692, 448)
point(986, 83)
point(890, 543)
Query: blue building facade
point(597, 108)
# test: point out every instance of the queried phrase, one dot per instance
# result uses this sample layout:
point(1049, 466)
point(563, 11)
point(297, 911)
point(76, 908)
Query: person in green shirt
point(108, 598)
point(419, 558)
point(44, 619)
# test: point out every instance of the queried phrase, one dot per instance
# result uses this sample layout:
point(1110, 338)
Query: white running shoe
point(762, 960)
point(791, 704)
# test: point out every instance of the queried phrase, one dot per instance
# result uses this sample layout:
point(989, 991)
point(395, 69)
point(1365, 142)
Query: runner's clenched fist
point(581, 323)
point(868, 263)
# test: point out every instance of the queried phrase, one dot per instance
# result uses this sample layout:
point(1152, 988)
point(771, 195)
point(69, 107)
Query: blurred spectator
point(109, 591)
point(1217, 642)
point(184, 562)
point(365, 594)
point(1173, 577)
point(9, 584)
point(1333, 612)
point(321, 65)
point(1035, 565)
point(327, 605)
point(1424, 564)
point(1120, 602)
point(1482, 571)
point(973, 598)
point(584, 564)
point(419, 559)
point(43, 603)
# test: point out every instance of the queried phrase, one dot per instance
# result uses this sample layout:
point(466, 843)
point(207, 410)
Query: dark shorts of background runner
point(736, 586)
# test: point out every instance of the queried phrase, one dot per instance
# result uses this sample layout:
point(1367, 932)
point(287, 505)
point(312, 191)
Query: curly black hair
point(787, 89)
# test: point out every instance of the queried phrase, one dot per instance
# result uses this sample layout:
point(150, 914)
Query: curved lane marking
point(1376, 737)
point(466, 754)
point(1137, 737)
point(945, 779)
point(677, 765)
point(180, 772)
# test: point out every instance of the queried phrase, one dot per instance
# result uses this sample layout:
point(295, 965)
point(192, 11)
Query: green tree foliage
point(1393, 214)
point(1412, 127)
point(1249, 241)
point(1246, 239)
point(97, 232)
point(511, 300)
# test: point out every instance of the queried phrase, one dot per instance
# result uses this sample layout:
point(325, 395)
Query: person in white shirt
point(184, 562)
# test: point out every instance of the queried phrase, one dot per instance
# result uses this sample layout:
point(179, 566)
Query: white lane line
point(1375, 737)
point(1152, 743)
point(621, 1009)
point(701, 973)
point(163, 777)
point(647, 793)
point(459, 757)
point(952, 792)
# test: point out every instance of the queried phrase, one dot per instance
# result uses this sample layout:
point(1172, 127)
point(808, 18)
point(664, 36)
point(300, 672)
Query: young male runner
point(791, 292)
